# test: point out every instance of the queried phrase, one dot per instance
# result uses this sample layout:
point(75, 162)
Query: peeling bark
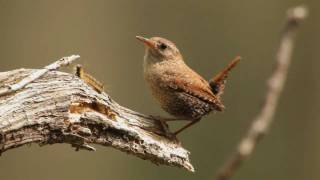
point(60, 108)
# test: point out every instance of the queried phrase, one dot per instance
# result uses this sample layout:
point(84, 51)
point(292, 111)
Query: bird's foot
point(166, 132)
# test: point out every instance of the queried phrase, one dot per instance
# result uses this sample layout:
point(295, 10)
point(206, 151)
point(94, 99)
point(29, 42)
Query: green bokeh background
point(34, 33)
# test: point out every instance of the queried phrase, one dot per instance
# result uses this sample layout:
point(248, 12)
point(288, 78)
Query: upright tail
point(217, 83)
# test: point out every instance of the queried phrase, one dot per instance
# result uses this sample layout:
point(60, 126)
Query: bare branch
point(276, 83)
point(37, 74)
point(49, 107)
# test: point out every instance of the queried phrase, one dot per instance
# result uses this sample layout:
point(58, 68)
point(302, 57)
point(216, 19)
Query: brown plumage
point(181, 91)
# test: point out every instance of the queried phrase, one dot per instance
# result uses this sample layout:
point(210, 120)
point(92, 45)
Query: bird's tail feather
point(217, 83)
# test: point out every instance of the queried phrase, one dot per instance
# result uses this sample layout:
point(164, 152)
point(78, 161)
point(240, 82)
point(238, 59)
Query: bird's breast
point(174, 101)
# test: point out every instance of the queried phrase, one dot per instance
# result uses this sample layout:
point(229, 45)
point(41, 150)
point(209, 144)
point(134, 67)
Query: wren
point(182, 92)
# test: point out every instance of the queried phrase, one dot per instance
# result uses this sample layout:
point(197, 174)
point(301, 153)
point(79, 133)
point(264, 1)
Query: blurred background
point(209, 34)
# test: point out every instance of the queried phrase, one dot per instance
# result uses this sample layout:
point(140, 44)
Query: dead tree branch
point(46, 107)
point(37, 74)
point(276, 83)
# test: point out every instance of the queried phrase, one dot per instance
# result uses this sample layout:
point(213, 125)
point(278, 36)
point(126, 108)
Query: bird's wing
point(195, 85)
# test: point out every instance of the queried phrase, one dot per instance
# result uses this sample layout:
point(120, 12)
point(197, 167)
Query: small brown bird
point(181, 91)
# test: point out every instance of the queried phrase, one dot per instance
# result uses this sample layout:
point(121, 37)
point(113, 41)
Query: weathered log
point(59, 107)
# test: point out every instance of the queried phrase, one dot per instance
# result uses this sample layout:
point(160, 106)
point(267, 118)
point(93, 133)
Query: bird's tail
point(217, 83)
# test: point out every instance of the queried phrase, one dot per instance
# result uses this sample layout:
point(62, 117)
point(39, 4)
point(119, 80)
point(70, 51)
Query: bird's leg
point(186, 126)
point(172, 119)
point(165, 119)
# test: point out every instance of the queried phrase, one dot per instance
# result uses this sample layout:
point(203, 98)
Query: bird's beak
point(147, 42)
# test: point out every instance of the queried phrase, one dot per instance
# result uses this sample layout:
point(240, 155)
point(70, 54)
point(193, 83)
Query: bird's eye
point(162, 46)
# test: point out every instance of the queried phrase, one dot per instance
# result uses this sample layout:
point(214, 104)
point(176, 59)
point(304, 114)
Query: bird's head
point(160, 49)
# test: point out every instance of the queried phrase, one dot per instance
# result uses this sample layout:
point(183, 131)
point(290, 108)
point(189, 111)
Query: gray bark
point(58, 107)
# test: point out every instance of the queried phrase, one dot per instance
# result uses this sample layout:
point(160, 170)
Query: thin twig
point(37, 74)
point(276, 82)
